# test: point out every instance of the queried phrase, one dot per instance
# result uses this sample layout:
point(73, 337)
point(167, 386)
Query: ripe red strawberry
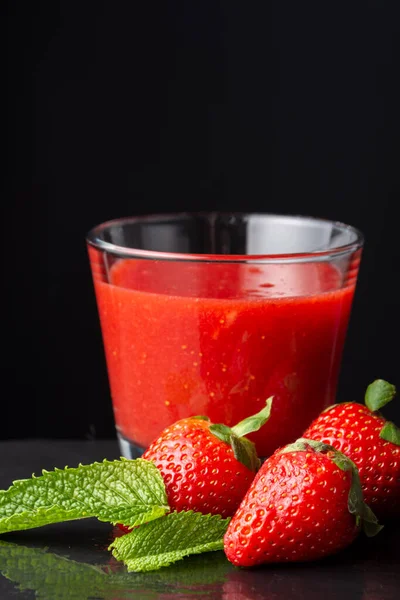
point(304, 503)
point(371, 442)
point(207, 467)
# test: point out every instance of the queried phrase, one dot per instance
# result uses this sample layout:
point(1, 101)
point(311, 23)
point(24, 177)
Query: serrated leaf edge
point(156, 512)
point(210, 546)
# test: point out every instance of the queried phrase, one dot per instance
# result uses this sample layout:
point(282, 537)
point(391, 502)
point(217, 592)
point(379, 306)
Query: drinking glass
point(211, 314)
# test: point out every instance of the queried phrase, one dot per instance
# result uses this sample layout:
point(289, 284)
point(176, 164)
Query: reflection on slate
point(55, 577)
point(55, 565)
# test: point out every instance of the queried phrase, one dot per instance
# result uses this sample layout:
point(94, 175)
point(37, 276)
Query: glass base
point(127, 448)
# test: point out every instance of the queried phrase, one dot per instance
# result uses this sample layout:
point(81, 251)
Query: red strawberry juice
point(186, 338)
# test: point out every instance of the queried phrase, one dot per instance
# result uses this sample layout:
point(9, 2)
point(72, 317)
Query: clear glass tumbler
point(213, 313)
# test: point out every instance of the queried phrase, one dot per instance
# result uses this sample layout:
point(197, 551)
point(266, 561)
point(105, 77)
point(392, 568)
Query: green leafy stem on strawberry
point(305, 503)
point(207, 467)
point(378, 394)
point(243, 449)
point(370, 441)
point(365, 518)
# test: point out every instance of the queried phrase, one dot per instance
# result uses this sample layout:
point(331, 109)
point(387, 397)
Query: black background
point(121, 108)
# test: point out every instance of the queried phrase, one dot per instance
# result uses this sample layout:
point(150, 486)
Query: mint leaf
point(162, 542)
point(131, 492)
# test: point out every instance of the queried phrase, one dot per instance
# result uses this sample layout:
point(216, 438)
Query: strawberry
point(207, 467)
point(371, 442)
point(304, 503)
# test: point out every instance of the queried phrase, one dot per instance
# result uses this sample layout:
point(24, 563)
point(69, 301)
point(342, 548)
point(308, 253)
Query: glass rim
point(93, 239)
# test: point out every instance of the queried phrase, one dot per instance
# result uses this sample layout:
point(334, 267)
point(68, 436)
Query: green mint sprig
point(167, 540)
point(131, 492)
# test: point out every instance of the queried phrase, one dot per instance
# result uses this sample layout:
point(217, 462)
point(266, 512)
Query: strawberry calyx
point(365, 518)
point(378, 394)
point(390, 433)
point(243, 449)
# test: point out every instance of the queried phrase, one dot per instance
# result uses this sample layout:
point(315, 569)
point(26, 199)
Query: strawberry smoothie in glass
point(211, 314)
